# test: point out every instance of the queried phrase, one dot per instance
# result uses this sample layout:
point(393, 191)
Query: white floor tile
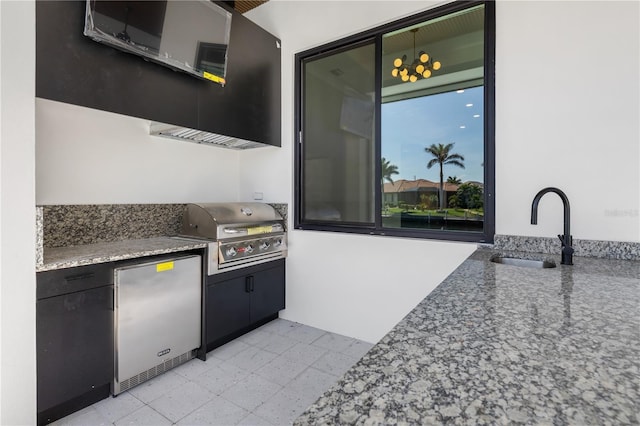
point(253, 420)
point(221, 377)
point(280, 326)
point(255, 337)
point(284, 407)
point(311, 382)
point(334, 363)
point(302, 352)
point(334, 342)
point(277, 343)
point(218, 411)
point(229, 350)
point(281, 370)
point(357, 349)
point(115, 408)
point(251, 359)
point(251, 392)
point(196, 367)
point(145, 416)
point(158, 386)
point(181, 401)
point(305, 334)
point(266, 378)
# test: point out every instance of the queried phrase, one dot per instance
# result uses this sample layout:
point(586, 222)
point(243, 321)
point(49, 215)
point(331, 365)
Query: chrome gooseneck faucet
point(566, 239)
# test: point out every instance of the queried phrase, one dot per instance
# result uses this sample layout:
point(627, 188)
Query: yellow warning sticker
point(259, 230)
point(165, 266)
point(212, 77)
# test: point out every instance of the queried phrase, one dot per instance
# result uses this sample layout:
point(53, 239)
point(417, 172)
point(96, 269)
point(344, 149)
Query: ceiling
point(244, 6)
point(457, 40)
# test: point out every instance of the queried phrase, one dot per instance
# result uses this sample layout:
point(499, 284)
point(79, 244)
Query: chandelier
point(421, 67)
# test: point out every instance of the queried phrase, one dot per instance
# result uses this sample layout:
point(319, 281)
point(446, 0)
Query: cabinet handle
point(248, 284)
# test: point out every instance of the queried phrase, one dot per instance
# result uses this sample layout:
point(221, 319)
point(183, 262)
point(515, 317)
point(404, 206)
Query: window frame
point(376, 34)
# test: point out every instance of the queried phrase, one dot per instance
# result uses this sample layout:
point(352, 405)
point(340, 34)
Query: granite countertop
point(89, 254)
point(501, 344)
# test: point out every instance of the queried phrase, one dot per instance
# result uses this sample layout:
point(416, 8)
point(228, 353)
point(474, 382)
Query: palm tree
point(388, 170)
point(454, 180)
point(442, 156)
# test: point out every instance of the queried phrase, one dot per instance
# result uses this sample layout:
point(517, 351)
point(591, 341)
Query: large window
point(395, 128)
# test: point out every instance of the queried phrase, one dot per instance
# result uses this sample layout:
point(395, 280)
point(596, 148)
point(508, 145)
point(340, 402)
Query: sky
point(411, 125)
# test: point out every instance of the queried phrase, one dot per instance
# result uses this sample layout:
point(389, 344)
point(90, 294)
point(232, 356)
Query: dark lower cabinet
point(241, 300)
point(74, 339)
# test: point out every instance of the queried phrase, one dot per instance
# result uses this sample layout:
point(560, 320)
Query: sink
point(526, 263)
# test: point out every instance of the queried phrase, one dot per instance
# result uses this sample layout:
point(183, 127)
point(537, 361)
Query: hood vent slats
point(201, 137)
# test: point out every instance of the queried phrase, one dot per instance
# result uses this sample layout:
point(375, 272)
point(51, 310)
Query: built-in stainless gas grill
point(239, 234)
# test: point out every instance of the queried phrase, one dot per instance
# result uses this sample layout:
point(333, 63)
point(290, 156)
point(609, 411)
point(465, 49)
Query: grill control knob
point(249, 248)
point(231, 251)
point(277, 242)
point(264, 245)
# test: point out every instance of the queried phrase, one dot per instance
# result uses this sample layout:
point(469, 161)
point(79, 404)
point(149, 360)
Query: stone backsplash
point(586, 248)
point(71, 225)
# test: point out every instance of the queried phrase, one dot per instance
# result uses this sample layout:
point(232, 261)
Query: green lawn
point(449, 212)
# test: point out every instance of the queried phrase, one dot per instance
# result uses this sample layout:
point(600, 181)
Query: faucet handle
point(566, 238)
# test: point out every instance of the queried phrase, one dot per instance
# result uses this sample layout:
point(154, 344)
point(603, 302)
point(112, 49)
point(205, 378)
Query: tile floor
point(266, 377)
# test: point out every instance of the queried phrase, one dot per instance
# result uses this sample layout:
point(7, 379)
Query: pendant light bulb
point(421, 66)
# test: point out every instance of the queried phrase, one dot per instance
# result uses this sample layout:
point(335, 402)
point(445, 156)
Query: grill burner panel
point(250, 248)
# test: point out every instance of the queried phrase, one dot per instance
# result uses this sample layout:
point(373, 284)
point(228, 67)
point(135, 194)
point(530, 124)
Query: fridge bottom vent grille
point(153, 372)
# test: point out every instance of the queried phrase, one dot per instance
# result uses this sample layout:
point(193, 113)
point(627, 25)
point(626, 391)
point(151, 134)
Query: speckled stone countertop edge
point(91, 254)
point(472, 352)
point(621, 250)
point(39, 237)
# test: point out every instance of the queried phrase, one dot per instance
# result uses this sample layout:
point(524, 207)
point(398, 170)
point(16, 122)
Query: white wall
point(17, 214)
point(87, 156)
point(561, 121)
point(567, 115)
point(355, 285)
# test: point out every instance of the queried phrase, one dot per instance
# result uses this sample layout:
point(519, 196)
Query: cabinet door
point(248, 106)
point(268, 292)
point(72, 68)
point(74, 336)
point(227, 309)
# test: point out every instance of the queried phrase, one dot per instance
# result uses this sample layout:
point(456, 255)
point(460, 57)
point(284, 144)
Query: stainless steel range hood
point(201, 137)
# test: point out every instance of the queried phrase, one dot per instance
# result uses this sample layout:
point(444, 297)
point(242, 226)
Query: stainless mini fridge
point(157, 318)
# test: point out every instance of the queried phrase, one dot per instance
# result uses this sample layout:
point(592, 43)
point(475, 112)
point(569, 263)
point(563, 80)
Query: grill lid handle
point(275, 227)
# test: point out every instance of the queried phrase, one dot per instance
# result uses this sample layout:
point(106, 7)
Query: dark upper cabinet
point(74, 69)
point(250, 101)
